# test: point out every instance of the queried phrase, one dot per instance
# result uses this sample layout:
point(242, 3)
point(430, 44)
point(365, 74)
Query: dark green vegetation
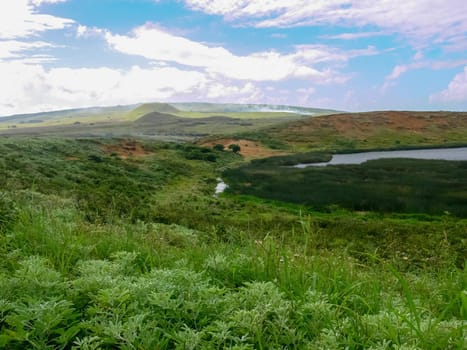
point(384, 185)
point(235, 148)
point(108, 243)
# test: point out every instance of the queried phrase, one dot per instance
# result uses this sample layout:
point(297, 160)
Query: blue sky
point(343, 54)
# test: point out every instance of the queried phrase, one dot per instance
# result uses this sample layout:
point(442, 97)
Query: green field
point(107, 243)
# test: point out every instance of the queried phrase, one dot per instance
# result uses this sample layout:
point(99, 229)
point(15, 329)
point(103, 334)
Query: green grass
point(119, 121)
point(151, 260)
point(124, 125)
point(66, 282)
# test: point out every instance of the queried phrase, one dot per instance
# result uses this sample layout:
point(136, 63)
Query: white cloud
point(40, 2)
point(421, 20)
point(304, 95)
point(81, 31)
point(353, 36)
point(240, 8)
point(248, 92)
point(28, 88)
point(86, 32)
point(20, 18)
point(418, 56)
point(158, 45)
point(455, 43)
point(398, 70)
point(401, 69)
point(456, 90)
point(15, 49)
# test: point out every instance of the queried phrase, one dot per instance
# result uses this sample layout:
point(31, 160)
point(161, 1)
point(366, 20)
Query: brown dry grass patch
point(370, 124)
point(248, 149)
point(127, 149)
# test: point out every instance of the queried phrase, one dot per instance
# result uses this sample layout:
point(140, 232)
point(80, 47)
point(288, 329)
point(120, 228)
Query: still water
point(459, 153)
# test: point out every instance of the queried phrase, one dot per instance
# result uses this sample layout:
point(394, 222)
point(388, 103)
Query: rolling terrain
point(119, 242)
point(372, 130)
point(182, 121)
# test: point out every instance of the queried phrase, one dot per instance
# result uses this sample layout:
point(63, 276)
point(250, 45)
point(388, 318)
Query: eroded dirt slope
point(375, 129)
point(249, 149)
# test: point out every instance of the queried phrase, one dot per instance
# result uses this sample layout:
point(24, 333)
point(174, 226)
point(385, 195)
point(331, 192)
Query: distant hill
point(155, 122)
point(373, 129)
point(67, 113)
point(156, 119)
point(155, 107)
point(132, 112)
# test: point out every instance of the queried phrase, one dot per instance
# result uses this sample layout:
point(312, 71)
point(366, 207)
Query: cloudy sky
point(345, 54)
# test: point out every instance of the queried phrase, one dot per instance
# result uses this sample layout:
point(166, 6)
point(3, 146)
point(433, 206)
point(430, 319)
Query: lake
point(459, 153)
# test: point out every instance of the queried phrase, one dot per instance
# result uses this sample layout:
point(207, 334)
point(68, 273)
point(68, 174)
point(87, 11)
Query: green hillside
point(65, 115)
point(154, 107)
point(369, 130)
point(121, 243)
point(156, 119)
point(118, 121)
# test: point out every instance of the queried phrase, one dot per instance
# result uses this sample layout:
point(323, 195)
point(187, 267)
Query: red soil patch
point(363, 124)
point(248, 149)
point(127, 149)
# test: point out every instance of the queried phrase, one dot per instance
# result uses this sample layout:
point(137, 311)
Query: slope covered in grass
point(155, 107)
point(369, 130)
point(117, 120)
point(121, 244)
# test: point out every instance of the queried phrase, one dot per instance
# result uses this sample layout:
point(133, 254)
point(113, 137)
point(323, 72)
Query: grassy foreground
point(105, 245)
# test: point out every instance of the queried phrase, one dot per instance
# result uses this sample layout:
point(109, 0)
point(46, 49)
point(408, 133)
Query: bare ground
point(248, 149)
point(126, 149)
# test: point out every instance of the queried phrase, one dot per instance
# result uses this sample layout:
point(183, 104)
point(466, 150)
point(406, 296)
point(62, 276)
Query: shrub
point(218, 147)
point(199, 153)
point(234, 147)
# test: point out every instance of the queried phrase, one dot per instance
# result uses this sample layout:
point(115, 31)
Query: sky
point(354, 55)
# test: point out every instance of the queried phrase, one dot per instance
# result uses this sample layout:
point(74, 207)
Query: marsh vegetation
point(384, 185)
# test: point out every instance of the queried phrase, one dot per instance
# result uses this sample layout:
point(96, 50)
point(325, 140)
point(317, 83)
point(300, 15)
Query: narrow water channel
point(221, 186)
